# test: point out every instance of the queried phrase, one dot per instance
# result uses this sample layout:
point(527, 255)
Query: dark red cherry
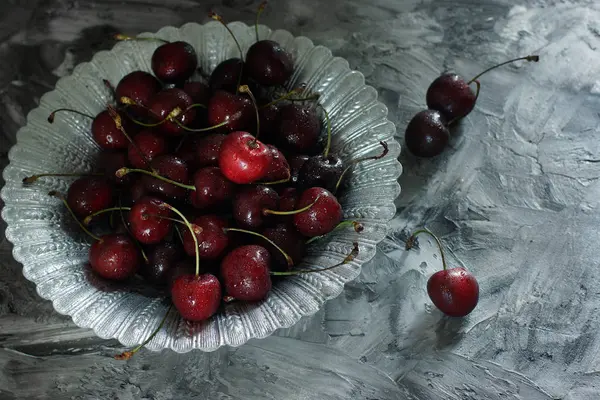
point(451, 96)
point(196, 297)
point(106, 133)
point(236, 109)
point(299, 128)
point(164, 102)
point(268, 63)
point(321, 171)
point(251, 202)
point(88, 195)
point(198, 91)
point(454, 291)
point(114, 257)
point(140, 87)
point(244, 159)
point(138, 189)
point(288, 200)
point(146, 220)
point(279, 169)
point(211, 237)
point(171, 167)
point(427, 134)
point(161, 261)
point(174, 62)
point(296, 162)
point(212, 188)
point(226, 76)
point(202, 150)
point(150, 144)
point(109, 162)
point(322, 217)
point(289, 240)
point(269, 118)
point(245, 272)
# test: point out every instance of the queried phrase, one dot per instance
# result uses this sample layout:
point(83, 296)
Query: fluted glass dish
point(54, 252)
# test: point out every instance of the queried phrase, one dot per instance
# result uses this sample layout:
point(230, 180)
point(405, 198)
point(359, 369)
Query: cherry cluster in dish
point(209, 185)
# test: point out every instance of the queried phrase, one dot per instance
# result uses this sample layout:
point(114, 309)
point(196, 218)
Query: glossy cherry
point(289, 240)
point(427, 134)
point(322, 217)
point(453, 291)
point(88, 195)
point(162, 105)
point(299, 128)
point(250, 204)
point(269, 118)
point(114, 257)
point(268, 63)
point(245, 273)
point(212, 188)
point(108, 135)
point(211, 237)
point(321, 171)
point(196, 297)
point(235, 109)
point(279, 170)
point(244, 159)
point(140, 87)
point(150, 144)
point(147, 220)
point(174, 62)
point(226, 76)
point(452, 96)
point(171, 167)
point(162, 258)
point(202, 150)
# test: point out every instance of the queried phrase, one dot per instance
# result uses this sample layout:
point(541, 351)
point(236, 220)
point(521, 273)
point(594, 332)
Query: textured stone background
point(515, 200)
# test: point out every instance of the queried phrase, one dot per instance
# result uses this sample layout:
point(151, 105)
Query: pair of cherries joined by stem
point(449, 99)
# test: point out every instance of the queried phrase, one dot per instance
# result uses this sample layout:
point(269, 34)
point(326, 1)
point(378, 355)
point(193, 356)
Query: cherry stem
point(346, 260)
point(88, 219)
point(34, 178)
point(53, 114)
point(288, 259)
point(411, 242)
point(54, 193)
point(128, 354)
point(328, 145)
point(261, 8)
point(288, 96)
point(210, 128)
point(289, 176)
point(358, 227)
point(122, 37)
point(124, 171)
point(122, 215)
point(218, 18)
point(146, 216)
point(192, 231)
point(119, 124)
point(533, 58)
point(246, 89)
point(359, 160)
point(293, 212)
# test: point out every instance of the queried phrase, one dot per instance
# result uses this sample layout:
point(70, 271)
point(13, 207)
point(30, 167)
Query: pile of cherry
point(209, 186)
